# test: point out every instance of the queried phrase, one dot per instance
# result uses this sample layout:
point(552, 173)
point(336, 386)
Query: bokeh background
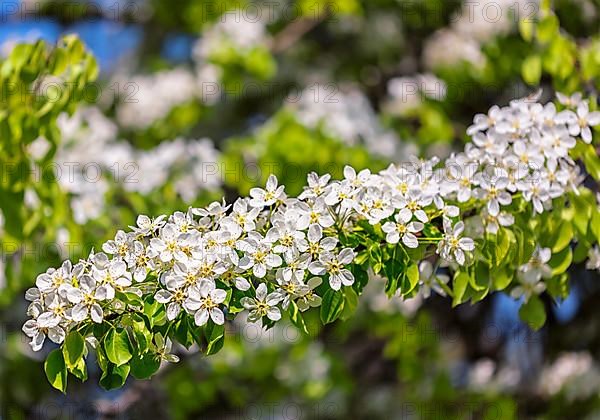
point(197, 100)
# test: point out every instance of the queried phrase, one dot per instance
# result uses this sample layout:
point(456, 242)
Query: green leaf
point(56, 370)
point(564, 237)
point(460, 283)
point(412, 275)
point(297, 318)
point(582, 212)
point(114, 376)
point(533, 313)
point(526, 28)
point(548, 28)
point(143, 336)
point(118, 347)
point(561, 261)
point(73, 349)
point(331, 306)
point(502, 277)
point(595, 224)
point(591, 161)
point(525, 247)
point(350, 303)
point(80, 370)
point(480, 280)
point(505, 238)
point(361, 277)
point(531, 69)
point(183, 331)
point(215, 337)
point(145, 366)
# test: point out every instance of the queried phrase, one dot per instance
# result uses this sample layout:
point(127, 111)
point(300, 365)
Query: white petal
point(96, 313)
point(410, 240)
point(217, 316)
point(173, 310)
point(56, 334)
point(163, 296)
point(201, 317)
point(274, 314)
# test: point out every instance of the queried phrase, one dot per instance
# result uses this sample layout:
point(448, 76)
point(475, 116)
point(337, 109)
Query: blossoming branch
point(500, 215)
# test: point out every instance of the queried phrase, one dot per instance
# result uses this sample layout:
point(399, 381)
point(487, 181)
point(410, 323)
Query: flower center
point(287, 240)
point(260, 256)
point(334, 267)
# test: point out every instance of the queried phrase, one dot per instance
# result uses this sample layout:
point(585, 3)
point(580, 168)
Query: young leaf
point(215, 337)
point(297, 318)
point(461, 281)
point(56, 370)
point(533, 313)
point(331, 306)
point(145, 366)
point(117, 346)
point(73, 349)
point(114, 376)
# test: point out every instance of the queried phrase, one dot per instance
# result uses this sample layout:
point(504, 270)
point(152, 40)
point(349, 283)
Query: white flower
point(593, 262)
point(527, 154)
point(482, 122)
point(316, 186)
point(402, 229)
point(114, 277)
point(492, 192)
point(263, 304)
point(536, 191)
point(528, 288)
point(288, 238)
point(428, 280)
point(243, 216)
point(310, 299)
point(205, 300)
point(38, 334)
point(146, 226)
point(492, 223)
point(452, 247)
point(269, 196)
point(258, 255)
point(121, 246)
point(170, 244)
point(296, 264)
point(139, 262)
point(316, 212)
point(580, 122)
point(48, 323)
point(173, 296)
point(342, 193)
point(414, 201)
point(569, 101)
point(290, 287)
point(491, 143)
point(375, 205)
point(557, 142)
point(317, 244)
point(86, 303)
point(58, 279)
point(334, 266)
point(356, 180)
point(537, 267)
point(214, 212)
point(183, 222)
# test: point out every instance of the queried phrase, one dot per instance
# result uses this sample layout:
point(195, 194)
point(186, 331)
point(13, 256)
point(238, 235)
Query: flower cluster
point(267, 252)
point(103, 161)
point(270, 249)
point(519, 149)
